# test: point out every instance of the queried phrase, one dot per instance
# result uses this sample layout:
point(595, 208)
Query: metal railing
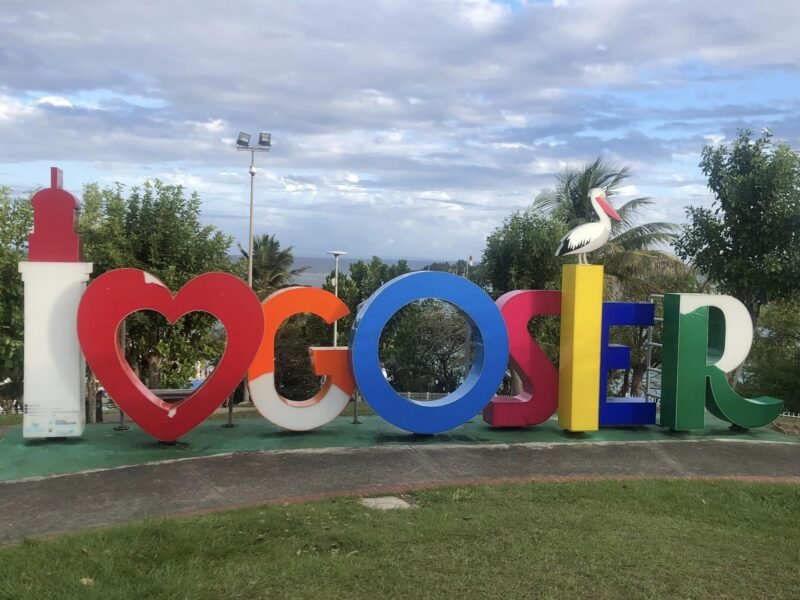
point(423, 395)
point(650, 344)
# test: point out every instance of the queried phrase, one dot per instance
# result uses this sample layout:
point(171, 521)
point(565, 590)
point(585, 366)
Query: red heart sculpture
point(114, 295)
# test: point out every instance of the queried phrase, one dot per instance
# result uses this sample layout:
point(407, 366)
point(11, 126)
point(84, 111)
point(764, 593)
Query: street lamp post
point(468, 330)
point(336, 254)
point(243, 144)
point(264, 145)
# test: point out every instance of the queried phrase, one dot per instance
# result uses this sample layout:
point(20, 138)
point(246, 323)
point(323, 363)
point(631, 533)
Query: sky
point(399, 129)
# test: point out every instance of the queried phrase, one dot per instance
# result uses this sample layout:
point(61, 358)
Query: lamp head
point(243, 141)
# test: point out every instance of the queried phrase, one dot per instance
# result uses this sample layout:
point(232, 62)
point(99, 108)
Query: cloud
point(420, 122)
point(56, 101)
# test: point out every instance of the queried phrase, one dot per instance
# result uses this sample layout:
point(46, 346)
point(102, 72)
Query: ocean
point(319, 267)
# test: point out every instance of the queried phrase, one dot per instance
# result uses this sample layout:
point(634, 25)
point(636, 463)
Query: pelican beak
point(607, 208)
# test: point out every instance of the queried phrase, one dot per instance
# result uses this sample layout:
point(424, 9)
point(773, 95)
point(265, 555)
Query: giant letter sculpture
point(113, 296)
point(490, 355)
point(579, 370)
point(332, 363)
point(623, 411)
point(706, 337)
point(539, 397)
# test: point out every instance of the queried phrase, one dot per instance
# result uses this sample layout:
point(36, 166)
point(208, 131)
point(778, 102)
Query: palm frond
point(643, 235)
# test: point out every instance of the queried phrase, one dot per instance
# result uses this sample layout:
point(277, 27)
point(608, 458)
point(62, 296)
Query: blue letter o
point(488, 367)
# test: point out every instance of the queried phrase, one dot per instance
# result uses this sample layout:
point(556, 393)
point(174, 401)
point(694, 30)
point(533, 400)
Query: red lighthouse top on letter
point(55, 217)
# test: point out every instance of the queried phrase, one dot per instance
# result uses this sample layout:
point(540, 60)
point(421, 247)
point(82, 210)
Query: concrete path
point(48, 505)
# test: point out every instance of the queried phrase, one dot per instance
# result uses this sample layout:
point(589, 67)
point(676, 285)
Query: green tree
point(362, 280)
point(294, 378)
point(772, 367)
point(157, 228)
point(16, 221)
point(476, 273)
point(272, 266)
point(423, 347)
point(748, 242)
point(520, 254)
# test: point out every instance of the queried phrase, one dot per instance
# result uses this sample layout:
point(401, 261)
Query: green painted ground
point(102, 447)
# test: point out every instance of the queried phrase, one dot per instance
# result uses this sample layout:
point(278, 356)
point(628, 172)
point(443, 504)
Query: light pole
point(243, 144)
point(264, 145)
point(468, 330)
point(336, 254)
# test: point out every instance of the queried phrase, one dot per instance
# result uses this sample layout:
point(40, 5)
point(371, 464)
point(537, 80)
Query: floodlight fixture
point(265, 139)
point(243, 140)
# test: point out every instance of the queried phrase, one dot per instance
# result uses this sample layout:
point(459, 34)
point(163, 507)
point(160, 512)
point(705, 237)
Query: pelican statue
point(590, 236)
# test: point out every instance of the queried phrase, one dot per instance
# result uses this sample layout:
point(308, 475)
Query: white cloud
point(215, 126)
point(57, 101)
point(515, 120)
point(627, 191)
point(11, 109)
point(482, 14)
point(435, 195)
point(715, 139)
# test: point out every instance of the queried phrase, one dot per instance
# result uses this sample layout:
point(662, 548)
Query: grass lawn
point(12, 419)
point(642, 539)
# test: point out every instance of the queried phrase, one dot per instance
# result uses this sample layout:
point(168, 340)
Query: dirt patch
point(787, 425)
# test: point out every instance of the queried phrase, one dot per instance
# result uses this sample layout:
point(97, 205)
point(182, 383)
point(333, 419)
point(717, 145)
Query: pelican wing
point(581, 236)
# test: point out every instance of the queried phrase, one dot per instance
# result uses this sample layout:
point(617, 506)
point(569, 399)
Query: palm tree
point(631, 256)
point(272, 267)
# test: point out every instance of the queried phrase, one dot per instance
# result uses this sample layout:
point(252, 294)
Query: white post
point(336, 255)
point(336, 293)
point(252, 171)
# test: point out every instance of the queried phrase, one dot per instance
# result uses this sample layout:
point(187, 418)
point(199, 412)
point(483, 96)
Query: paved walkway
point(102, 447)
point(54, 504)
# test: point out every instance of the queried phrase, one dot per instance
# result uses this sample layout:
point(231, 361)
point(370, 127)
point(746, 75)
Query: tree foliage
point(748, 242)
point(423, 347)
point(774, 359)
point(272, 266)
point(359, 283)
point(157, 228)
point(16, 221)
point(520, 254)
